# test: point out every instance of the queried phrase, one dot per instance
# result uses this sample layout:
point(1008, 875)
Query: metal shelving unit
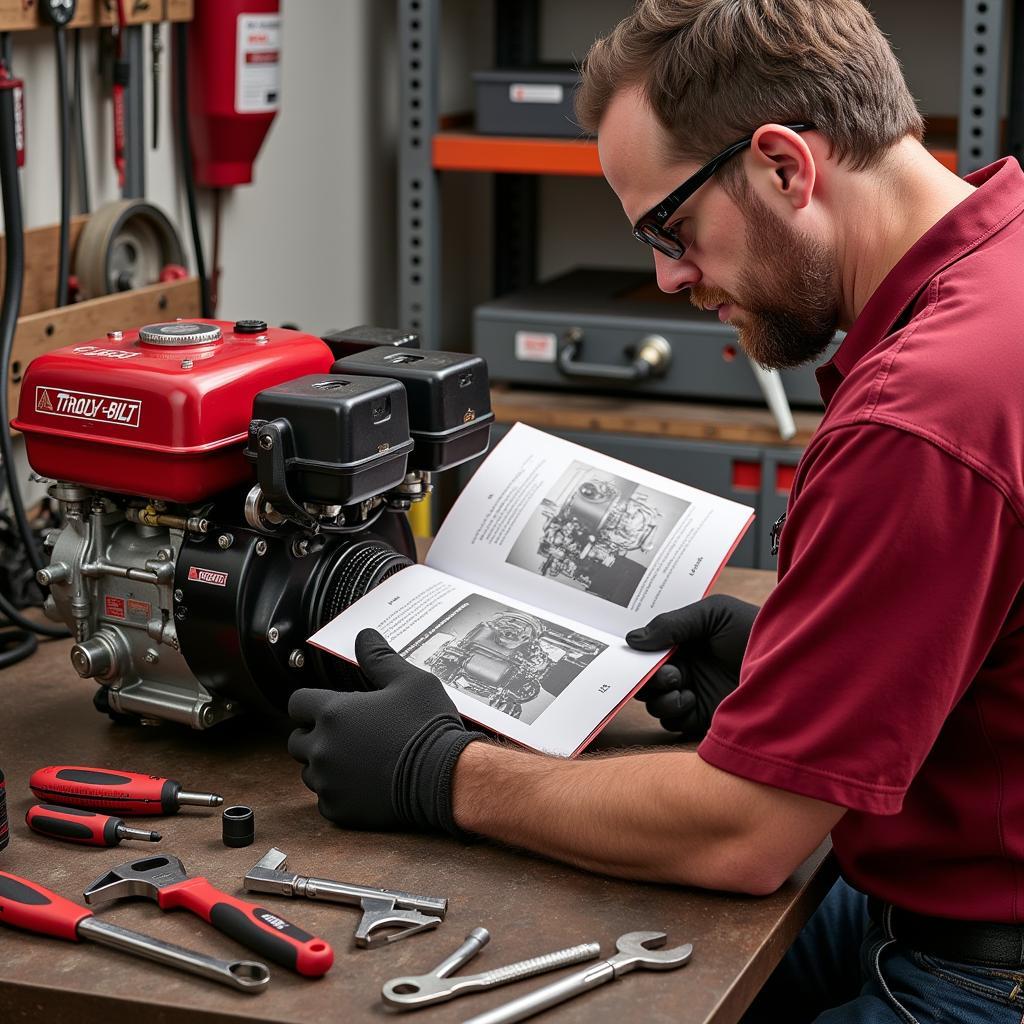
point(425, 152)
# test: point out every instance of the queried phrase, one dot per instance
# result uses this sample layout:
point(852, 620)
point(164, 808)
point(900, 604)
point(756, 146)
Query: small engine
point(506, 659)
point(594, 532)
point(227, 489)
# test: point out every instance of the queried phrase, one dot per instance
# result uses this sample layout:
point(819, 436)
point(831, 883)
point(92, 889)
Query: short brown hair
point(713, 71)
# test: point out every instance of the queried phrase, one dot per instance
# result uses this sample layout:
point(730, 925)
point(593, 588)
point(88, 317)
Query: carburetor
point(225, 490)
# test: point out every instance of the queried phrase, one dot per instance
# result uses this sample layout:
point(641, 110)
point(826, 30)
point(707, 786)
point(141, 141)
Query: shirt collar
point(999, 196)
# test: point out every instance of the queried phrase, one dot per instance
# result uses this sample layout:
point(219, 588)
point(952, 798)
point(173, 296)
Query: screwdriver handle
point(253, 926)
point(32, 907)
point(74, 825)
point(125, 793)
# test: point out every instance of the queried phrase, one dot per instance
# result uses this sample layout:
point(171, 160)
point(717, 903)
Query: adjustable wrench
point(382, 908)
point(165, 880)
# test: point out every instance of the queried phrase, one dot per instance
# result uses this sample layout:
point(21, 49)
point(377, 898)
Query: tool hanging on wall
point(121, 81)
point(12, 157)
point(228, 84)
point(77, 110)
point(58, 13)
point(156, 49)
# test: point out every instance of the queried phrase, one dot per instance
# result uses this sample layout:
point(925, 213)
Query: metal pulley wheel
point(125, 245)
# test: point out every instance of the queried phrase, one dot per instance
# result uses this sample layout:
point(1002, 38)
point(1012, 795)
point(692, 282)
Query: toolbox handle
point(653, 358)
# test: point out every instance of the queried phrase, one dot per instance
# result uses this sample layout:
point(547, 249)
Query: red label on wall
point(216, 579)
point(114, 607)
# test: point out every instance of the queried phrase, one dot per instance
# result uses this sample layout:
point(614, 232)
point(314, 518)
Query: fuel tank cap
point(180, 332)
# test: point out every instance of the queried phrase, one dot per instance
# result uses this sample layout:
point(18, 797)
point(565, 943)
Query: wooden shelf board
point(648, 417)
point(23, 15)
point(509, 154)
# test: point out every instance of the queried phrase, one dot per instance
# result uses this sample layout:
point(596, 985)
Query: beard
point(788, 290)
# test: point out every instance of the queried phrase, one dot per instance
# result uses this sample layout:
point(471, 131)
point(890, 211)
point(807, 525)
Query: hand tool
point(635, 949)
point(415, 991)
point(156, 48)
point(128, 793)
point(383, 909)
point(4, 830)
point(30, 906)
point(87, 827)
point(165, 880)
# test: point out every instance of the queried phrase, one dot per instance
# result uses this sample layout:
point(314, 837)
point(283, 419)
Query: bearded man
point(769, 153)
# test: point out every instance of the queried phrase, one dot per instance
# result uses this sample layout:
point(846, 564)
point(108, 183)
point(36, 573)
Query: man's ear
point(781, 162)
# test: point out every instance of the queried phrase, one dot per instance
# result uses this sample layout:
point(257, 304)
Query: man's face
point(778, 286)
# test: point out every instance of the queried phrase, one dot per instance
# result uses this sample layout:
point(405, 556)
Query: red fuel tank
point(162, 412)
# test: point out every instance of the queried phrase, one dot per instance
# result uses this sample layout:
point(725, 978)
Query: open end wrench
point(28, 905)
point(635, 949)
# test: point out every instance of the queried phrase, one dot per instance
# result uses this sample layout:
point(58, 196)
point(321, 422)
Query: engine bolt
point(115, 335)
point(179, 595)
point(43, 577)
point(224, 541)
point(296, 659)
point(261, 548)
point(273, 635)
point(163, 555)
point(186, 364)
point(266, 442)
point(151, 657)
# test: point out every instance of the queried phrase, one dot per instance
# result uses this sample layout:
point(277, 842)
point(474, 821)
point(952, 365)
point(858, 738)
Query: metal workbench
point(530, 905)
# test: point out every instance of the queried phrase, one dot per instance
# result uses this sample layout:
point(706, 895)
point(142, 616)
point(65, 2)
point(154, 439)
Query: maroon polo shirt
point(885, 673)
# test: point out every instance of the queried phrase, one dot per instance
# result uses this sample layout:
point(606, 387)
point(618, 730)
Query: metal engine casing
point(190, 595)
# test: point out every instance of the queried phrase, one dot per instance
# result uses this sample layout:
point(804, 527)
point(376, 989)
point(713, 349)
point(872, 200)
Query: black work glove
point(703, 670)
point(382, 759)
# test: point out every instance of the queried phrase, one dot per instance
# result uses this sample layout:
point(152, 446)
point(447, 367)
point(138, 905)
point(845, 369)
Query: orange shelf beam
point(501, 154)
point(464, 151)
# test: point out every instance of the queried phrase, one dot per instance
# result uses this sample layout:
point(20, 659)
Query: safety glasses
point(650, 228)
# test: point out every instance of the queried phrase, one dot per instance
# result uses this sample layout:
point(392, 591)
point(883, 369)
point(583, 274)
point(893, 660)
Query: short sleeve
point(898, 568)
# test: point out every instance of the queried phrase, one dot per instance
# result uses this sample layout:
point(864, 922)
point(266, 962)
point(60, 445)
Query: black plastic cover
point(344, 439)
point(449, 400)
point(363, 337)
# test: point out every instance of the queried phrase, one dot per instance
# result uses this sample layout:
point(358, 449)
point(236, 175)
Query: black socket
point(239, 825)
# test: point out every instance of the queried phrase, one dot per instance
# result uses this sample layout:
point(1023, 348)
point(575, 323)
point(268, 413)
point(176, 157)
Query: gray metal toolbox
point(606, 315)
point(527, 101)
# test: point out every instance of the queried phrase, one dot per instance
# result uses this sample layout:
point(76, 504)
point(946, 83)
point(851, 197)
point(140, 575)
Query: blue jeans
point(843, 969)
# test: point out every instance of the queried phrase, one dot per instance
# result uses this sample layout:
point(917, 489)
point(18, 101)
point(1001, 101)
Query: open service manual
point(551, 554)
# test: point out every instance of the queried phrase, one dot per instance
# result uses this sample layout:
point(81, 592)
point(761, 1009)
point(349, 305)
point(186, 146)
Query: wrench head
point(144, 877)
point(644, 948)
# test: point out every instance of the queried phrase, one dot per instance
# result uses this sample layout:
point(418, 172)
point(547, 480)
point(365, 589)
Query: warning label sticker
point(84, 405)
point(114, 607)
point(216, 579)
point(258, 64)
point(140, 611)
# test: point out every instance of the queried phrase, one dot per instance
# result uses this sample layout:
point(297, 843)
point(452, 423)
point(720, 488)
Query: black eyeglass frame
point(650, 228)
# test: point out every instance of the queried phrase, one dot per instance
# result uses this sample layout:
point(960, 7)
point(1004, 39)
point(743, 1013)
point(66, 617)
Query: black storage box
point(527, 101)
point(347, 438)
point(449, 401)
point(364, 336)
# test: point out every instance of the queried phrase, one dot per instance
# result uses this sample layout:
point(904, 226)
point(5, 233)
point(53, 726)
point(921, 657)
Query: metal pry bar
point(383, 909)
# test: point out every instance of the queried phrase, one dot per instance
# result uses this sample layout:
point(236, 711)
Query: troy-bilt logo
point(82, 405)
point(216, 579)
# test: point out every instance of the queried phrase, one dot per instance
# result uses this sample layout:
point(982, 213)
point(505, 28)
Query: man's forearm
point(662, 816)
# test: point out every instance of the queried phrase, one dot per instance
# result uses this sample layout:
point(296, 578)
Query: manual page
point(561, 527)
point(539, 678)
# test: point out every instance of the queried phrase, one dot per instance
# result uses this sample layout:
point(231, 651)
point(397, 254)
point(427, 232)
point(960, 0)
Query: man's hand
point(382, 759)
point(712, 637)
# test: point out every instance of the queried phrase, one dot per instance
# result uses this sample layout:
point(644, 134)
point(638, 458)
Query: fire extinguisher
point(229, 90)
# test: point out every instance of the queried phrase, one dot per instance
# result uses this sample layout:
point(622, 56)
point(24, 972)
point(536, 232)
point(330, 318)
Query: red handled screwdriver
point(78, 826)
point(126, 793)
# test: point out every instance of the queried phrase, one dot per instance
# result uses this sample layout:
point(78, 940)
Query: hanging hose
point(14, 273)
point(181, 119)
point(16, 645)
point(81, 159)
point(64, 259)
